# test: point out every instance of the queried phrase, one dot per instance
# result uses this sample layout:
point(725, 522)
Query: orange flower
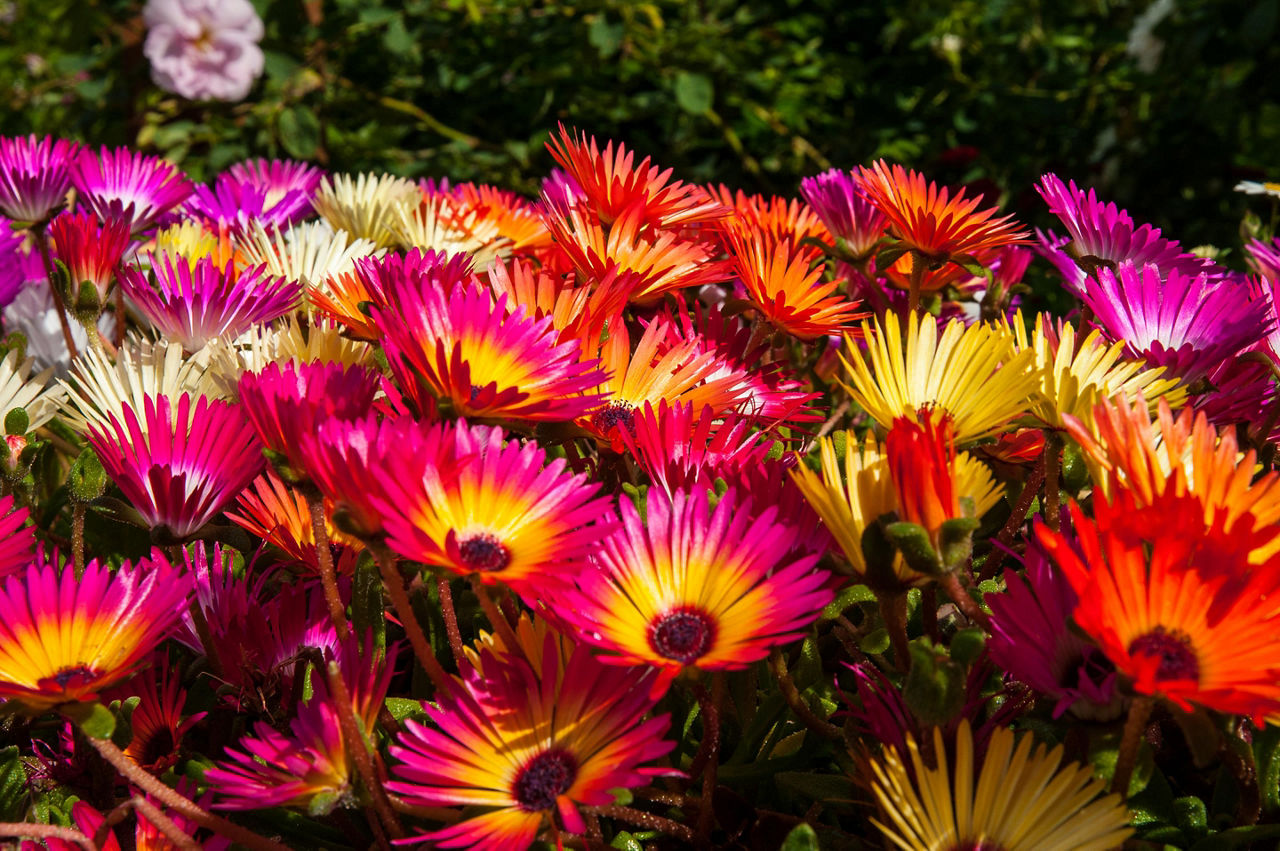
point(611, 184)
point(780, 218)
point(784, 281)
point(279, 515)
point(515, 218)
point(922, 464)
point(578, 311)
point(932, 221)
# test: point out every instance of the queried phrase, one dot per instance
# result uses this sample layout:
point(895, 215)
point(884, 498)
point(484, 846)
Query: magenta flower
point(341, 457)
point(283, 403)
point(91, 250)
point(64, 639)
point(145, 187)
point(1108, 234)
point(196, 303)
point(1188, 324)
point(837, 197)
point(12, 263)
point(231, 204)
point(203, 49)
point(279, 178)
point(177, 463)
point(17, 539)
point(462, 345)
point(1033, 640)
point(677, 450)
point(1264, 259)
point(35, 175)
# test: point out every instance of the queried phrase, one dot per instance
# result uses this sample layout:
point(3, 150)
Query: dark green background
point(752, 94)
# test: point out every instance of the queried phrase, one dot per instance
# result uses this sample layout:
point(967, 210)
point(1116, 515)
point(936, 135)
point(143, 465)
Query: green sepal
point(94, 719)
point(87, 480)
point(967, 645)
point(913, 542)
point(16, 422)
point(61, 280)
point(87, 302)
point(955, 540)
point(801, 838)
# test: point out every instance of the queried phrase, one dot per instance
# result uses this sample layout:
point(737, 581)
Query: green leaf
point(955, 541)
point(367, 606)
point(913, 542)
point(404, 707)
point(605, 37)
point(626, 841)
point(96, 720)
point(87, 480)
point(13, 785)
point(875, 642)
point(694, 92)
point(801, 838)
point(934, 689)
point(16, 422)
point(299, 130)
point(397, 39)
point(967, 645)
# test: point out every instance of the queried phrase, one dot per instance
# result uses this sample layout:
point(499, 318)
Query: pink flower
point(203, 49)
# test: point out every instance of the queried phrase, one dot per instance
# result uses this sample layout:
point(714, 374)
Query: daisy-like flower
point(284, 402)
point(1073, 376)
point(696, 587)
point(1258, 187)
point(35, 175)
point(191, 239)
point(441, 222)
point(365, 206)
point(63, 640)
point(839, 200)
point(99, 389)
point(232, 205)
point(465, 500)
point(784, 281)
point(517, 219)
point(17, 538)
point(971, 372)
point(683, 373)
point(529, 733)
point(1032, 639)
point(1103, 234)
point(179, 463)
point(90, 250)
point(678, 450)
point(776, 217)
point(199, 301)
point(310, 253)
point(578, 311)
point(280, 178)
point(13, 258)
point(1019, 799)
point(280, 515)
point(342, 457)
point(1126, 450)
point(33, 394)
point(157, 723)
point(145, 187)
point(1174, 602)
point(856, 491)
point(1264, 259)
point(1188, 324)
point(610, 182)
point(932, 221)
point(663, 261)
point(291, 340)
point(308, 767)
point(465, 347)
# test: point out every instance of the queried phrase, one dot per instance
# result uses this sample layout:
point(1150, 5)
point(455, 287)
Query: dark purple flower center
point(682, 635)
point(543, 779)
point(483, 553)
point(1177, 660)
point(613, 414)
point(74, 676)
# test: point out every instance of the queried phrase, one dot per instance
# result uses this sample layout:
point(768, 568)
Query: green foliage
point(754, 94)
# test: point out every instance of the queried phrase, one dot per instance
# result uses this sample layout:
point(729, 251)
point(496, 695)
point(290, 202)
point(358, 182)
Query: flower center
point(613, 414)
point(682, 634)
point(543, 779)
point(483, 553)
point(73, 676)
point(1177, 660)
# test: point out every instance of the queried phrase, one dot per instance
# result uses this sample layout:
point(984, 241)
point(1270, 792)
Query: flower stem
point(1134, 728)
point(639, 818)
point(394, 582)
point(42, 245)
point(136, 775)
point(1004, 539)
point(46, 831)
point(708, 751)
point(328, 576)
point(791, 694)
point(950, 582)
point(1052, 473)
point(893, 610)
point(450, 619)
point(77, 537)
point(358, 747)
point(917, 278)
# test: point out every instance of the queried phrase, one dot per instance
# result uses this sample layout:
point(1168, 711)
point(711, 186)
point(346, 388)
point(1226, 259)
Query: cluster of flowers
point(607, 426)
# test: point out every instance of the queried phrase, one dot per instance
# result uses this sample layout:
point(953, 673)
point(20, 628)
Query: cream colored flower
point(32, 393)
point(310, 253)
point(441, 224)
point(365, 206)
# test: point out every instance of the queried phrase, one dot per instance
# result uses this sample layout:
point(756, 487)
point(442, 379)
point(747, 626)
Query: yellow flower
point(973, 373)
point(1073, 379)
point(849, 501)
point(1022, 800)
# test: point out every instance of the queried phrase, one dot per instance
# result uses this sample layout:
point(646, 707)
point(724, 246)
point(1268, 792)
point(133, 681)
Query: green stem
point(450, 620)
point(394, 583)
point(328, 576)
point(791, 694)
point(1134, 728)
point(1052, 473)
point(917, 278)
point(77, 537)
point(893, 610)
point(358, 747)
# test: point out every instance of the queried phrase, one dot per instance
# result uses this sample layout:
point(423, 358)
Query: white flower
point(1256, 187)
point(203, 49)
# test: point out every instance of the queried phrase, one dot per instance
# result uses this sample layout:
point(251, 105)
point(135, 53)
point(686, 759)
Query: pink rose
point(203, 49)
